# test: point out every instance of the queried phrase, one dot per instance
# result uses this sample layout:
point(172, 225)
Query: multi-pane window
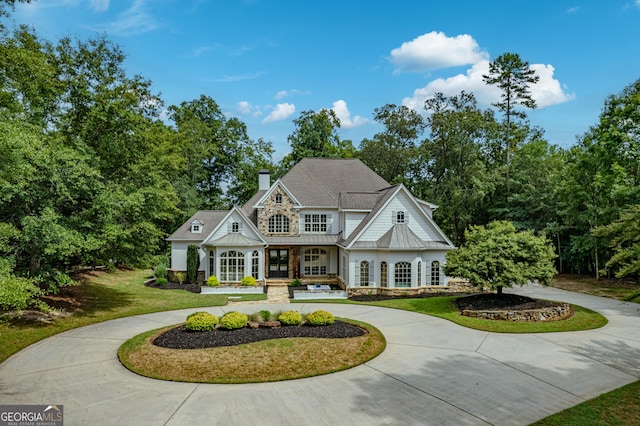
point(315, 223)
point(278, 198)
point(419, 273)
point(279, 224)
point(364, 273)
point(402, 274)
point(399, 217)
point(383, 274)
point(315, 262)
point(435, 273)
point(235, 227)
point(255, 264)
point(231, 266)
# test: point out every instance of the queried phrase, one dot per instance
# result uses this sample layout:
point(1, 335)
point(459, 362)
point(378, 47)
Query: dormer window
point(400, 217)
point(278, 199)
point(235, 227)
point(196, 227)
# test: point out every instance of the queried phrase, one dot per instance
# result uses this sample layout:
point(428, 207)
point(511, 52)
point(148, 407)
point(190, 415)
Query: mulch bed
point(499, 302)
point(193, 288)
point(378, 297)
point(180, 338)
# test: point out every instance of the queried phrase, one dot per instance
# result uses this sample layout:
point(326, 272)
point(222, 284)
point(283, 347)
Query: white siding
point(179, 256)
point(332, 220)
point(351, 222)
point(392, 258)
point(414, 218)
point(225, 228)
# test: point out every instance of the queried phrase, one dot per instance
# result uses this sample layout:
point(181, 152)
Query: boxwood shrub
point(233, 320)
point(320, 318)
point(290, 318)
point(201, 321)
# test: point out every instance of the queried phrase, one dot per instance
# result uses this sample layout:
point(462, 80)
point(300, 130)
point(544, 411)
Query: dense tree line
point(91, 174)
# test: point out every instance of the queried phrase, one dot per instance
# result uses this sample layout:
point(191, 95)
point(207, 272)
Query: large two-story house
point(327, 220)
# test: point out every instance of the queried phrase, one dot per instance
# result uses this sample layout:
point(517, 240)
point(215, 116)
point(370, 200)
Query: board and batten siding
point(225, 228)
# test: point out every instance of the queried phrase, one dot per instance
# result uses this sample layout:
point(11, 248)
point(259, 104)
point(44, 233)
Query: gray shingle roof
point(318, 182)
point(209, 219)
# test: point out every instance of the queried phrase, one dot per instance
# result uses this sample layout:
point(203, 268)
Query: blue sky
point(266, 61)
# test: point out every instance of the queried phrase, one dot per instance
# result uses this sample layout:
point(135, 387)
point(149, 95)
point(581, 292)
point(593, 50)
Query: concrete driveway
point(432, 372)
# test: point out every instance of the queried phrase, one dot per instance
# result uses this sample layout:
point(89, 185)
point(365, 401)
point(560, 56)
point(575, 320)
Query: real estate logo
point(31, 415)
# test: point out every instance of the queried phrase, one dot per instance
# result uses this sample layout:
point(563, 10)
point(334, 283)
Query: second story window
point(400, 217)
point(279, 224)
point(235, 227)
point(278, 199)
point(315, 223)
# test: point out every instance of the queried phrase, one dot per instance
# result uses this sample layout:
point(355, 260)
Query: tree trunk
point(499, 288)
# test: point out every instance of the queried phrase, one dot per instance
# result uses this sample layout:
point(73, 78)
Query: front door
point(278, 263)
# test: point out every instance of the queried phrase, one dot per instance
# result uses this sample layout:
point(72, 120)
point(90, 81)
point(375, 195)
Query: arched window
point(212, 262)
point(383, 274)
point(435, 273)
point(419, 273)
point(403, 274)
point(231, 266)
point(255, 264)
point(279, 224)
point(364, 273)
point(315, 262)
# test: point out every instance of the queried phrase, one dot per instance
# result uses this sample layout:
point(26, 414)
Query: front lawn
point(101, 296)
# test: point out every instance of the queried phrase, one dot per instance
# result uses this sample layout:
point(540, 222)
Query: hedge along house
point(326, 221)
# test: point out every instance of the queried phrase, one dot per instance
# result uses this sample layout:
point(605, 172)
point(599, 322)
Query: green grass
point(103, 297)
point(618, 407)
point(444, 307)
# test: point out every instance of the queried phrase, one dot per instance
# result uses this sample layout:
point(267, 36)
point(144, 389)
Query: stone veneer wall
point(551, 313)
point(456, 285)
point(171, 275)
point(285, 208)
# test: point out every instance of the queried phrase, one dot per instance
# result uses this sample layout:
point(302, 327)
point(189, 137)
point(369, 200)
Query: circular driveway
point(432, 372)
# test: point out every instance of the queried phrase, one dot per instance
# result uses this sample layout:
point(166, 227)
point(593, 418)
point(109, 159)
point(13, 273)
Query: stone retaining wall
point(551, 313)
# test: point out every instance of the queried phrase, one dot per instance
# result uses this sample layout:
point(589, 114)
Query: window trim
point(402, 275)
point(315, 223)
point(316, 262)
point(278, 224)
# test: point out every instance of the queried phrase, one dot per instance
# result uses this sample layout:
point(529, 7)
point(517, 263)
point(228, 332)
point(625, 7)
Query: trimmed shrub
point(248, 281)
point(193, 263)
point(181, 277)
point(266, 315)
point(320, 318)
point(161, 281)
point(212, 281)
point(201, 321)
point(233, 320)
point(296, 283)
point(290, 318)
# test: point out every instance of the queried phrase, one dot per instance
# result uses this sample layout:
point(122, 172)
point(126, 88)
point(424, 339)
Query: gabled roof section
point(249, 206)
point(390, 193)
point(399, 236)
point(235, 240)
point(209, 219)
point(318, 182)
point(358, 201)
point(283, 187)
point(245, 219)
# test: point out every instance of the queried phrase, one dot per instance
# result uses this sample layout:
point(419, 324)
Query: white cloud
point(546, 92)
point(280, 112)
point(281, 94)
point(99, 5)
point(575, 9)
point(435, 50)
point(135, 20)
point(346, 121)
point(245, 108)
point(284, 93)
point(239, 77)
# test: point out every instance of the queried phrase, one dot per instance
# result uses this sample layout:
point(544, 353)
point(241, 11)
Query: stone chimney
point(264, 180)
